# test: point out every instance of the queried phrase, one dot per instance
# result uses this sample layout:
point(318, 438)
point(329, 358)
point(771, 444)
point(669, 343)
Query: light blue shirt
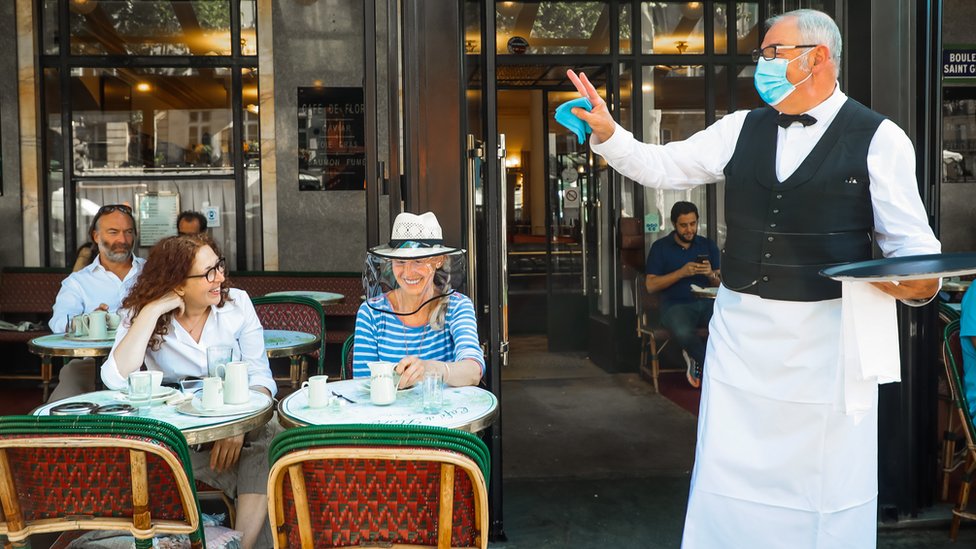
point(382, 336)
point(967, 330)
point(83, 291)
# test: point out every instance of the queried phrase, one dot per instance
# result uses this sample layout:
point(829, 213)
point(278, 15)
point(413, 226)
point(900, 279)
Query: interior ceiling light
point(252, 108)
point(143, 87)
point(83, 7)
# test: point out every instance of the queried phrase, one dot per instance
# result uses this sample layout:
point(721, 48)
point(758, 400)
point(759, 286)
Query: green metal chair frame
point(347, 354)
point(451, 447)
point(140, 436)
point(953, 363)
point(305, 301)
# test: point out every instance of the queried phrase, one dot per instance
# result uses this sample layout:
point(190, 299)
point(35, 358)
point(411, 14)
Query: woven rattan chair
point(75, 473)
point(654, 337)
point(300, 314)
point(384, 485)
point(952, 357)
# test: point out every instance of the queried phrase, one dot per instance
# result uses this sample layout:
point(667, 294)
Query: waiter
point(813, 181)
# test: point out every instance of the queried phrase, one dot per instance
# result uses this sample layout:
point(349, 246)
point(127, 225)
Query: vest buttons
point(772, 225)
point(770, 239)
point(765, 279)
point(775, 211)
point(779, 197)
point(767, 255)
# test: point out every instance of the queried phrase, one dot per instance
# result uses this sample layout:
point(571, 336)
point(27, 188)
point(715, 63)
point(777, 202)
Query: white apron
point(778, 463)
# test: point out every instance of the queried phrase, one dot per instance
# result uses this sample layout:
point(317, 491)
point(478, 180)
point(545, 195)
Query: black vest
point(780, 235)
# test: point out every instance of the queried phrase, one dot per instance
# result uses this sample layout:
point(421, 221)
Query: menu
point(331, 139)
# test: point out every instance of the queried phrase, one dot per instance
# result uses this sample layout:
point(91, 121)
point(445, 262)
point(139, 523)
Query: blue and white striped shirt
point(383, 336)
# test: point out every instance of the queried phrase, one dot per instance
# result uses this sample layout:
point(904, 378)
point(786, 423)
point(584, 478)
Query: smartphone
point(703, 258)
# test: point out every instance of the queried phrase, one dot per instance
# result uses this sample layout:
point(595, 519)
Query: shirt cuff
point(616, 143)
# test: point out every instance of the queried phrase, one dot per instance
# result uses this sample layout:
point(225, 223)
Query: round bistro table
point(60, 345)
point(325, 298)
point(196, 429)
point(469, 408)
point(291, 344)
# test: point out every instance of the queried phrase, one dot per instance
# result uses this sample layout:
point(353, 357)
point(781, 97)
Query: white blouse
point(235, 324)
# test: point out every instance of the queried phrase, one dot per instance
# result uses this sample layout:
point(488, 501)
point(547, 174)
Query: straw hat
point(414, 236)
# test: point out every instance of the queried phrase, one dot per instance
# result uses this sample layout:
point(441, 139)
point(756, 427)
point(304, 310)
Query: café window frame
point(237, 63)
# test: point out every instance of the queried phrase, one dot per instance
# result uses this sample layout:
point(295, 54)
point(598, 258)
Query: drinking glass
point(218, 355)
point(140, 389)
point(432, 392)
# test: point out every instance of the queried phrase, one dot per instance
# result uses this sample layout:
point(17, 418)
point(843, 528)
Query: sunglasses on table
point(211, 273)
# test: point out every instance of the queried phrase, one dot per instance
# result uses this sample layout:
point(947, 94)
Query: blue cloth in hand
point(565, 116)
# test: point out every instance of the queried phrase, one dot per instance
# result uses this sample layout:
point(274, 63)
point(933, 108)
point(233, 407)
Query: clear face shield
point(404, 285)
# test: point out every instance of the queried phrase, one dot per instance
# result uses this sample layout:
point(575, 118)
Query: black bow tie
point(784, 120)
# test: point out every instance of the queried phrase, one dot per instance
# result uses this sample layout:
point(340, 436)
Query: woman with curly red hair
point(180, 305)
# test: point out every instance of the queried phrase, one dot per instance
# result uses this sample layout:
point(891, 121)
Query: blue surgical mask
point(771, 81)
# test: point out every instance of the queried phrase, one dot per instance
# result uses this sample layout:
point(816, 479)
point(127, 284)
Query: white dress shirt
point(900, 223)
point(235, 324)
point(83, 291)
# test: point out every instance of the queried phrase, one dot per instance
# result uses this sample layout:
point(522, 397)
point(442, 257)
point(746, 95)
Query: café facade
point(299, 128)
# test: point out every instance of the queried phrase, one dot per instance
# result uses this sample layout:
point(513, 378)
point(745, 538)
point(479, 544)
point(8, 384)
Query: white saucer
point(159, 394)
point(364, 387)
point(194, 407)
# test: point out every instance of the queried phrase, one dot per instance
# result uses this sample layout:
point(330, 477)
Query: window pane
point(49, 27)
point(625, 33)
point(251, 147)
point(777, 7)
point(672, 27)
point(746, 96)
point(195, 194)
point(552, 27)
point(54, 164)
point(720, 32)
point(188, 27)
point(673, 101)
point(747, 27)
point(128, 121)
point(249, 25)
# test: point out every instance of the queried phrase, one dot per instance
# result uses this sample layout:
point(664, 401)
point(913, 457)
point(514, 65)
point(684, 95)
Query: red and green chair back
point(300, 314)
point(71, 473)
point(349, 485)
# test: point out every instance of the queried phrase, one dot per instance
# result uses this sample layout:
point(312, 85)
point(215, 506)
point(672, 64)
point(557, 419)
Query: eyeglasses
point(211, 273)
point(769, 52)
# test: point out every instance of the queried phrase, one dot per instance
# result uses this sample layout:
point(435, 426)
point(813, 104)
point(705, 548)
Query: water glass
point(140, 389)
point(218, 355)
point(432, 392)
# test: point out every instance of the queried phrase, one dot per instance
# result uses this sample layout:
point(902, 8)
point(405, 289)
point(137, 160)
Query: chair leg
point(655, 364)
point(967, 482)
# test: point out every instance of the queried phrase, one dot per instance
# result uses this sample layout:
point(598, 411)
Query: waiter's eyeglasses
point(769, 52)
point(211, 273)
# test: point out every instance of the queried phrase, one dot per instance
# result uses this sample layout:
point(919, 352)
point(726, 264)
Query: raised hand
point(599, 119)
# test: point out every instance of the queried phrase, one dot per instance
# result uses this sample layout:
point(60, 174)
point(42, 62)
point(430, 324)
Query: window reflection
point(152, 120)
point(672, 27)
point(188, 27)
point(552, 27)
point(673, 99)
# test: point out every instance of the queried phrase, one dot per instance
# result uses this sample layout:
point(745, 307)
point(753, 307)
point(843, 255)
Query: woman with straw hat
point(413, 314)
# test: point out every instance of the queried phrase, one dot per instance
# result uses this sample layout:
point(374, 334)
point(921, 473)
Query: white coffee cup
point(157, 381)
point(236, 389)
point(317, 391)
point(113, 320)
point(213, 393)
point(98, 325)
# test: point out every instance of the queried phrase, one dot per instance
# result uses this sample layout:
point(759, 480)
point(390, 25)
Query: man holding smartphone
point(674, 264)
